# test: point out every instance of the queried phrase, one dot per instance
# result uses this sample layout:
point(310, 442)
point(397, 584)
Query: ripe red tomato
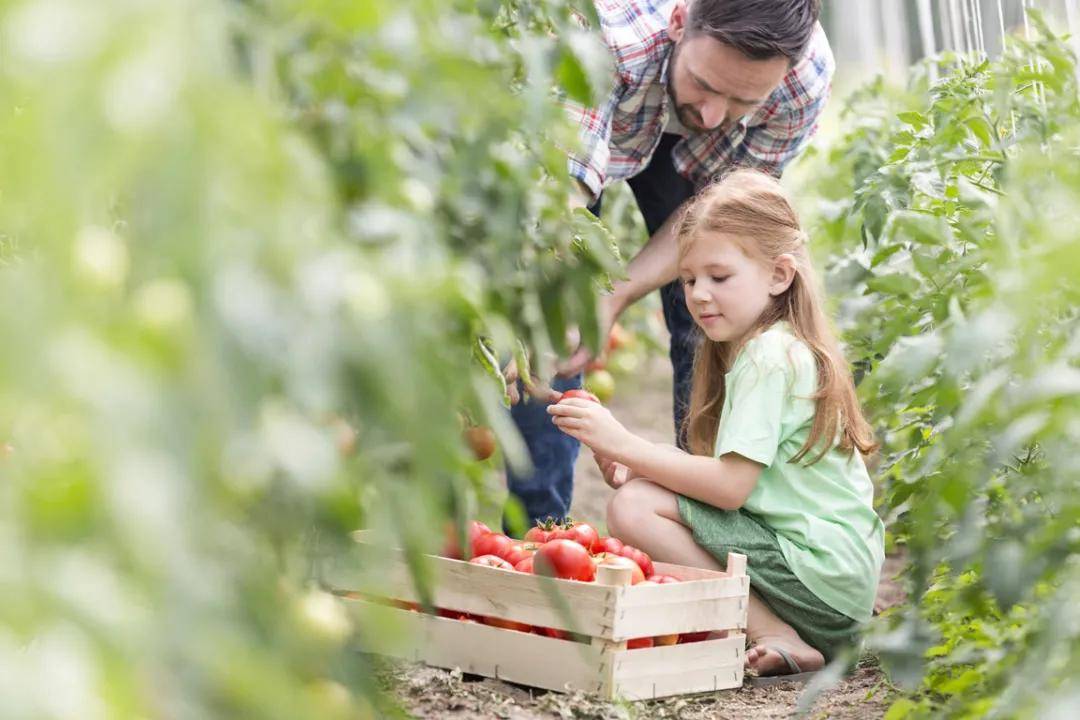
point(664, 579)
point(579, 393)
point(608, 544)
point(638, 556)
point(551, 632)
point(453, 614)
point(520, 551)
point(635, 643)
point(541, 532)
point(492, 543)
point(451, 548)
point(693, 637)
point(492, 561)
point(507, 624)
point(526, 565)
point(624, 562)
point(583, 534)
point(476, 529)
point(564, 559)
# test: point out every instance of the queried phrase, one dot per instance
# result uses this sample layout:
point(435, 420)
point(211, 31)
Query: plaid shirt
point(619, 137)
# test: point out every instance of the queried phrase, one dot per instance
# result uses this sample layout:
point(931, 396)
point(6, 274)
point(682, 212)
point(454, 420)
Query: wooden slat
point(498, 653)
point(673, 681)
point(674, 593)
point(478, 589)
point(691, 616)
point(686, 573)
point(679, 669)
point(630, 664)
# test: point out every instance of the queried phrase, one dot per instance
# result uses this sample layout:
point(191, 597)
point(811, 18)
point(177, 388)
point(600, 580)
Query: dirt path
point(643, 404)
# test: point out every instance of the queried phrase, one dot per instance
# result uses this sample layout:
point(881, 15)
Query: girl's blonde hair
point(751, 208)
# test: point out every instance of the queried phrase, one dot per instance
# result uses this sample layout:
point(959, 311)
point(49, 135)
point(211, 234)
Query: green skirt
point(723, 531)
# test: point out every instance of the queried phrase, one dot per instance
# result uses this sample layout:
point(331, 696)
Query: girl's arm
point(724, 483)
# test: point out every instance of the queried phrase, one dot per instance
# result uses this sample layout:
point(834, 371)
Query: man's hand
point(610, 309)
point(539, 390)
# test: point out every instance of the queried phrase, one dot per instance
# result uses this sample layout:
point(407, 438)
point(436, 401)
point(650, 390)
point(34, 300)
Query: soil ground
point(643, 404)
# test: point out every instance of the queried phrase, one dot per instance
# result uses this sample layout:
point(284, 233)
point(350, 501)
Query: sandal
point(795, 676)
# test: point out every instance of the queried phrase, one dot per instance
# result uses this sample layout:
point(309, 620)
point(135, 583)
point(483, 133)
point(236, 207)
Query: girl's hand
point(592, 424)
point(615, 473)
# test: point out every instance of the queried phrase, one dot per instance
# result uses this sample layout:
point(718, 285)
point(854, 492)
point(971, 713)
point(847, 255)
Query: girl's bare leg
point(646, 515)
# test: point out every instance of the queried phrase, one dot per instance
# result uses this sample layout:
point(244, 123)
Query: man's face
point(711, 84)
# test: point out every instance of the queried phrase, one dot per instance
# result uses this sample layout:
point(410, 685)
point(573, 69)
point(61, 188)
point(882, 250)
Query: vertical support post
point(1072, 17)
point(926, 33)
point(619, 577)
point(736, 568)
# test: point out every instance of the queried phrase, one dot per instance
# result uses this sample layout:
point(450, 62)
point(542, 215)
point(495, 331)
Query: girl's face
point(727, 291)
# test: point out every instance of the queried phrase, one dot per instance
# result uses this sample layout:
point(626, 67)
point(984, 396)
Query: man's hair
point(759, 29)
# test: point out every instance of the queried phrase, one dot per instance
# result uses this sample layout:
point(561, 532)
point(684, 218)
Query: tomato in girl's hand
point(492, 561)
point(579, 393)
point(608, 544)
point(564, 559)
point(491, 543)
point(638, 556)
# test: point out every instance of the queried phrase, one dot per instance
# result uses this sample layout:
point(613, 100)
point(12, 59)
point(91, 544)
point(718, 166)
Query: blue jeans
point(659, 190)
point(547, 492)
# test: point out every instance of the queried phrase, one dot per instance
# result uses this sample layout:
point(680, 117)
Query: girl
point(775, 431)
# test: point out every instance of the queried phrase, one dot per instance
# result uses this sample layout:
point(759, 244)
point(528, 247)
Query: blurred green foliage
point(947, 215)
point(257, 261)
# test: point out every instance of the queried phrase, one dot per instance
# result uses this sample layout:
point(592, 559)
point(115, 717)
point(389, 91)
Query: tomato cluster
point(568, 551)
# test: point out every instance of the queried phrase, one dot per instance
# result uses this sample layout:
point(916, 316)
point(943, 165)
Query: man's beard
point(687, 114)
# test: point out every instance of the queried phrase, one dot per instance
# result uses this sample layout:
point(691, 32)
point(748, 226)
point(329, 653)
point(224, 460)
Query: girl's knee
point(629, 507)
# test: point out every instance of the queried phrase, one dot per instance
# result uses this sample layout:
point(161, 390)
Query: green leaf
point(893, 284)
point(916, 119)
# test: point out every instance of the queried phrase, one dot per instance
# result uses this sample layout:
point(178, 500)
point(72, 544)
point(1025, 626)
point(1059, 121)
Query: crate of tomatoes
point(563, 609)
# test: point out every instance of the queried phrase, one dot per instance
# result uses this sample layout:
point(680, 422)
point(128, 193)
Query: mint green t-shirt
point(823, 515)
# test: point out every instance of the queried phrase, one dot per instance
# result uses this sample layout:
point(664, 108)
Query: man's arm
point(654, 266)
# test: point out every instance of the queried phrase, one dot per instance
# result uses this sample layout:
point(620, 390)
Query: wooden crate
point(606, 613)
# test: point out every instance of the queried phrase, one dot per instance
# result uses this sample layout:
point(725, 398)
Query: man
point(701, 87)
